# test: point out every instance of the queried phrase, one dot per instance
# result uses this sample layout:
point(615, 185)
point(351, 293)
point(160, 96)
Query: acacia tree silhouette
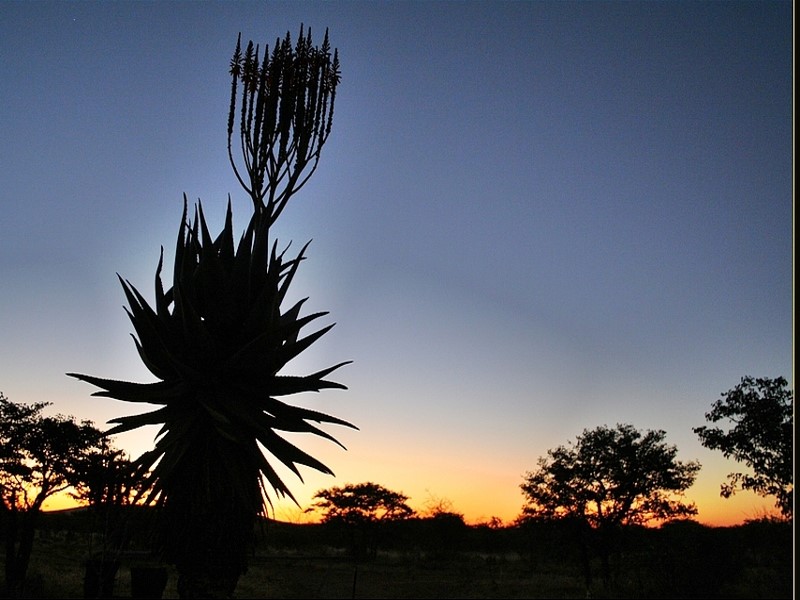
point(40, 456)
point(218, 339)
point(363, 509)
point(608, 478)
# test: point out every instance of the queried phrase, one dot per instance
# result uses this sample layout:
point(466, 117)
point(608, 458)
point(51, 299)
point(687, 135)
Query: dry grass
point(678, 563)
point(57, 571)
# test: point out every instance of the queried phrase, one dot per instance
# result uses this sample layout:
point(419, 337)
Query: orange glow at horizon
point(713, 510)
point(467, 483)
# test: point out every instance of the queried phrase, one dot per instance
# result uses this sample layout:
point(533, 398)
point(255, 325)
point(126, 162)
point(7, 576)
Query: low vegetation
point(417, 558)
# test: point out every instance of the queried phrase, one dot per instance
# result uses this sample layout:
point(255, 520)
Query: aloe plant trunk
point(219, 339)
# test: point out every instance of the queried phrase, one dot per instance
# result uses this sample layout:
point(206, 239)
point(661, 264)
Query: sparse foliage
point(761, 412)
point(435, 506)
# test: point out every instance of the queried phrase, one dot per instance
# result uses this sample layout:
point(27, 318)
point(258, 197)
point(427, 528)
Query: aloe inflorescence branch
point(285, 111)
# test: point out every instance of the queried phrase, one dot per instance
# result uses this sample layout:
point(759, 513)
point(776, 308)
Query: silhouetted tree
point(607, 479)
point(104, 476)
point(218, 339)
point(104, 479)
point(444, 527)
point(39, 457)
point(762, 436)
point(363, 508)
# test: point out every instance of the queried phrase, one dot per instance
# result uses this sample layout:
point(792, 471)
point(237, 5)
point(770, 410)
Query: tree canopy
point(761, 415)
point(610, 477)
point(40, 456)
point(104, 477)
point(361, 503)
point(607, 478)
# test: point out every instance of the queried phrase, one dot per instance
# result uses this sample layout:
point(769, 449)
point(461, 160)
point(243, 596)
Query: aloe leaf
point(274, 479)
point(181, 243)
point(207, 241)
point(270, 345)
point(160, 392)
point(132, 422)
point(290, 455)
point(259, 258)
point(162, 303)
point(286, 385)
point(195, 333)
point(289, 351)
point(295, 419)
point(291, 270)
point(224, 241)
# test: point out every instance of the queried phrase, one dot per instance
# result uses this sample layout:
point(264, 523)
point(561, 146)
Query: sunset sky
point(531, 218)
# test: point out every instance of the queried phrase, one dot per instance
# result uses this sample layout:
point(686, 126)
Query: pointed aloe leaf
point(289, 351)
point(274, 479)
point(180, 245)
point(224, 241)
point(262, 309)
point(295, 418)
point(305, 427)
point(259, 259)
point(150, 328)
point(129, 423)
point(285, 385)
point(156, 367)
point(195, 333)
point(291, 270)
point(291, 320)
point(270, 345)
point(207, 241)
point(160, 392)
point(240, 274)
point(294, 414)
point(162, 303)
point(290, 455)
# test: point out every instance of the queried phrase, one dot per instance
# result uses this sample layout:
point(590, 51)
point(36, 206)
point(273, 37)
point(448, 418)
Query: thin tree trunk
point(584, 531)
point(11, 524)
point(19, 547)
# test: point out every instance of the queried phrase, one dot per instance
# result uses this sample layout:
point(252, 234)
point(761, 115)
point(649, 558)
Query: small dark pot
point(98, 581)
point(148, 582)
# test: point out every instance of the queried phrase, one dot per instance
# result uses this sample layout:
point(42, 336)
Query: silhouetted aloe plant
point(217, 339)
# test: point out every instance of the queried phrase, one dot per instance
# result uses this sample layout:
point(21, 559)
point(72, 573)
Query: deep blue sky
point(531, 218)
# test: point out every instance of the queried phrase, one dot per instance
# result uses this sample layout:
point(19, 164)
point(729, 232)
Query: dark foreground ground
point(686, 561)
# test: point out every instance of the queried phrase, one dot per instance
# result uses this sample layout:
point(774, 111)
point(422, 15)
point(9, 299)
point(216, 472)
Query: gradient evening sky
point(531, 218)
